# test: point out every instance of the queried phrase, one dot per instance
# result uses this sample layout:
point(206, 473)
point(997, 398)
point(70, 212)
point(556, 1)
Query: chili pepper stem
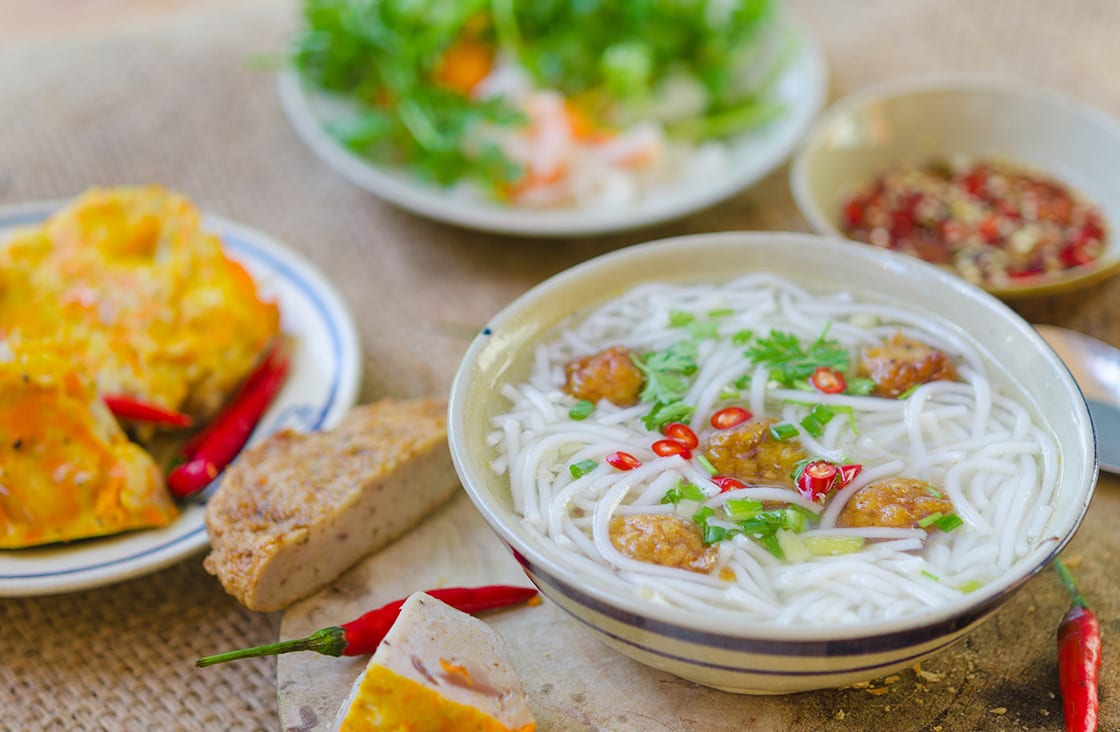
point(327, 641)
point(1076, 598)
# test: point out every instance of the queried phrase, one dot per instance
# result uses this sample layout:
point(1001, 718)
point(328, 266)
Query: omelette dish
point(120, 294)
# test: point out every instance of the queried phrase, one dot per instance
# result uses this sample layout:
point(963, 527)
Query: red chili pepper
point(623, 461)
point(682, 433)
point(828, 380)
point(667, 448)
point(361, 636)
point(1079, 658)
point(848, 473)
point(817, 479)
point(727, 483)
point(729, 417)
point(212, 449)
point(126, 407)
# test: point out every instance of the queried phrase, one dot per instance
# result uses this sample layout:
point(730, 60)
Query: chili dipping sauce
point(991, 221)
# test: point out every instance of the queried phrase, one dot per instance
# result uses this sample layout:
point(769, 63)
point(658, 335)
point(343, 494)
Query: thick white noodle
point(974, 438)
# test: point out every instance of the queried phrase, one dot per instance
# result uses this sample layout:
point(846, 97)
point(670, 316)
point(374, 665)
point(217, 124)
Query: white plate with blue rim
point(321, 387)
point(800, 88)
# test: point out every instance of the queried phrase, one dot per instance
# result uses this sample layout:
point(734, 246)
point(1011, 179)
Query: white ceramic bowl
point(801, 88)
point(982, 116)
point(757, 657)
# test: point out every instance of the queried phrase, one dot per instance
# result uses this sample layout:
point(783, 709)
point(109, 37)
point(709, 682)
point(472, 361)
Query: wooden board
point(575, 683)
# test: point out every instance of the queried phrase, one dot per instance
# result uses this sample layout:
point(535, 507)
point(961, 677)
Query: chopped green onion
point(684, 490)
point(822, 413)
point(932, 518)
point(741, 509)
point(742, 382)
point(831, 546)
point(950, 522)
point(970, 586)
point(812, 426)
point(679, 318)
point(906, 394)
point(797, 519)
point(792, 547)
point(703, 330)
point(721, 312)
point(582, 468)
point(783, 431)
point(934, 492)
point(705, 463)
point(770, 543)
point(742, 337)
point(712, 534)
point(931, 576)
point(727, 394)
point(700, 518)
point(582, 409)
point(860, 386)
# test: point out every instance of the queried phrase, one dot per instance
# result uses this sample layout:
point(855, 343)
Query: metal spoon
point(1095, 366)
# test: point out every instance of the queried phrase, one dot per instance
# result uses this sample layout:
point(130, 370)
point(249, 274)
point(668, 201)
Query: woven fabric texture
point(183, 100)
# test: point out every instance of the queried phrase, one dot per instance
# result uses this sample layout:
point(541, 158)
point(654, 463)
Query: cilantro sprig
point(790, 362)
point(667, 380)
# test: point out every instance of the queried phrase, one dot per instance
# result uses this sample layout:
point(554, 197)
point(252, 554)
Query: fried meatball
point(609, 374)
point(902, 363)
point(898, 503)
point(665, 539)
point(749, 452)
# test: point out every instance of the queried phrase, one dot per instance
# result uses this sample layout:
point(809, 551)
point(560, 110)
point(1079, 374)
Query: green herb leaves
point(667, 382)
point(790, 363)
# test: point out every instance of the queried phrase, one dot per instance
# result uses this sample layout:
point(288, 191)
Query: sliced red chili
point(817, 479)
point(828, 380)
point(682, 433)
point(623, 460)
point(729, 417)
point(667, 448)
point(848, 473)
point(727, 483)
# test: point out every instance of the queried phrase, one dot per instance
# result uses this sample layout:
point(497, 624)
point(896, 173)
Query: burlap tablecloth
point(181, 101)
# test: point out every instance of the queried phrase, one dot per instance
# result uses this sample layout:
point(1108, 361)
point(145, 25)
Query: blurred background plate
point(801, 89)
point(321, 386)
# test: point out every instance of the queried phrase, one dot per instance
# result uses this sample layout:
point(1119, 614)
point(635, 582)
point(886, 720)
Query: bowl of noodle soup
point(848, 527)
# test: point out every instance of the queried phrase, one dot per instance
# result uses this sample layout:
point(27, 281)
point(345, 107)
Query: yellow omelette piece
point(67, 470)
point(437, 670)
point(126, 285)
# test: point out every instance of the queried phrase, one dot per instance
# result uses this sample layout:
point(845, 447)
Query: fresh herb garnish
point(680, 318)
point(784, 431)
point(742, 337)
point(682, 491)
point(582, 468)
point(703, 329)
point(948, 523)
point(663, 414)
point(860, 386)
point(665, 372)
point(581, 410)
point(791, 363)
point(705, 463)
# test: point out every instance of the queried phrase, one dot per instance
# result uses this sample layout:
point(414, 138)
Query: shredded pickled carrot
point(467, 62)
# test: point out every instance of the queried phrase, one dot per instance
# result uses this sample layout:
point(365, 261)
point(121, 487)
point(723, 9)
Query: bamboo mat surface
point(179, 97)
